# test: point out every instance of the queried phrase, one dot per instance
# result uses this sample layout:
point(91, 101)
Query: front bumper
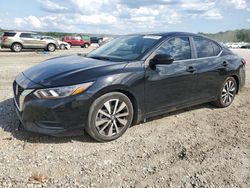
point(56, 117)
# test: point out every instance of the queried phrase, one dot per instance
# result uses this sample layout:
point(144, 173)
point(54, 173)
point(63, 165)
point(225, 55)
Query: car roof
point(20, 32)
point(170, 34)
point(175, 34)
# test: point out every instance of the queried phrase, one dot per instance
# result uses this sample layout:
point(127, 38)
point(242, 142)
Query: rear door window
point(206, 48)
point(26, 35)
point(9, 34)
point(217, 49)
point(179, 48)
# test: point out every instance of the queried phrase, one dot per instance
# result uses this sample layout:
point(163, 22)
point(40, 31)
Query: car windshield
point(126, 48)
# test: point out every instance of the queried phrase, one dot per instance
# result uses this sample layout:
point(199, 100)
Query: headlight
point(59, 92)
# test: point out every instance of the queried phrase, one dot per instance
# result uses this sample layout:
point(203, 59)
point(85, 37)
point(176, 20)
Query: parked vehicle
point(125, 81)
point(86, 38)
point(61, 45)
point(17, 41)
point(76, 41)
point(105, 40)
point(247, 46)
point(96, 40)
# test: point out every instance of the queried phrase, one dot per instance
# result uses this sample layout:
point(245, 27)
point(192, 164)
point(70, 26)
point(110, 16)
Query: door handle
point(191, 69)
point(224, 64)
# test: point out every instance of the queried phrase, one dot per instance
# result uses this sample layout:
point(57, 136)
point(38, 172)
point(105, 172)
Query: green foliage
point(1, 31)
point(242, 35)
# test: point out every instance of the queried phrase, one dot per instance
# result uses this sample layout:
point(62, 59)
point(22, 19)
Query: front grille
point(17, 93)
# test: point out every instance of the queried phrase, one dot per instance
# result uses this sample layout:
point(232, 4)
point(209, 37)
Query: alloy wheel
point(112, 117)
point(228, 92)
point(17, 47)
point(51, 47)
point(62, 47)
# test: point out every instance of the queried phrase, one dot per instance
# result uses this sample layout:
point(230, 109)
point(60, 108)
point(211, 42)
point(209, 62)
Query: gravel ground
point(200, 146)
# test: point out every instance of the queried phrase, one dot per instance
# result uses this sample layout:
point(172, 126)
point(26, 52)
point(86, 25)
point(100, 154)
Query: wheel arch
point(51, 43)
point(16, 43)
point(124, 90)
point(237, 82)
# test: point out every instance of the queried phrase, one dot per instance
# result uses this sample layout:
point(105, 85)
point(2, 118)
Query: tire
point(16, 47)
point(51, 47)
point(109, 117)
point(62, 47)
point(227, 93)
point(86, 45)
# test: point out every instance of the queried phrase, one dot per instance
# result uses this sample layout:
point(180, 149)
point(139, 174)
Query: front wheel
point(62, 47)
point(227, 93)
point(86, 45)
point(109, 117)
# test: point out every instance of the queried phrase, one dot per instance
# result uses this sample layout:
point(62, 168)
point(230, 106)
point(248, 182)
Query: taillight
point(4, 38)
point(244, 61)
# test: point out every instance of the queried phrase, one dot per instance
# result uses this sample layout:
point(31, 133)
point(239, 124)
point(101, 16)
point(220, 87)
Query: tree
point(243, 35)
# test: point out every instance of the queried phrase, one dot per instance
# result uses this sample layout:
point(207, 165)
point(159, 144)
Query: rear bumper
point(4, 45)
point(242, 74)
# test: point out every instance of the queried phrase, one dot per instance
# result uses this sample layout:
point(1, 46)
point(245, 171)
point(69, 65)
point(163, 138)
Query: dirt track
point(195, 147)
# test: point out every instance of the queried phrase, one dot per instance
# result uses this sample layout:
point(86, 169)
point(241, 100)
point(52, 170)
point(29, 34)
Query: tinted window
point(9, 34)
point(25, 35)
point(206, 48)
point(125, 48)
point(178, 47)
point(217, 49)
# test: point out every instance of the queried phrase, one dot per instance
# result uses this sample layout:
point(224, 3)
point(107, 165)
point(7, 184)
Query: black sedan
point(246, 46)
point(125, 81)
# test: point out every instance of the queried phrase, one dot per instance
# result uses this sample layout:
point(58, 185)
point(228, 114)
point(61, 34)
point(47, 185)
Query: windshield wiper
point(100, 58)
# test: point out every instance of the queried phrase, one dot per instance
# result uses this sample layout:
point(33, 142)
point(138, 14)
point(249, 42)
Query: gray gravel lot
point(200, 146)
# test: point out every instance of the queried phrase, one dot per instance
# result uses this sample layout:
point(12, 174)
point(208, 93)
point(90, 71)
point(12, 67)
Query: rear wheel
point(16, 47)
point(227, 93)
point(109, 117)
point(51, 47)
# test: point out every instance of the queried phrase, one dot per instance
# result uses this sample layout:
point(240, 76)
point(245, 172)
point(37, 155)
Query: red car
point(76, 41)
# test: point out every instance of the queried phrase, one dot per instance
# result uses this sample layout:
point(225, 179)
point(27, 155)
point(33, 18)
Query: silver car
point(62, 45)
point(17, 41)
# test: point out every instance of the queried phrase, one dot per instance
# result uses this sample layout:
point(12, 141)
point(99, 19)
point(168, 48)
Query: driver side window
point(179, 48)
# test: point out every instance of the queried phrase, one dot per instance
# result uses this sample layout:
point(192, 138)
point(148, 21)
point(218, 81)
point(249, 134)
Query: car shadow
point(9, 122)
point(6, 50)
point(177, 112)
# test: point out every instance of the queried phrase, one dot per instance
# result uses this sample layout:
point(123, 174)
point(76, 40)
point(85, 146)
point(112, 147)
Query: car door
point(210, 67)
point(75, 41)
point(39, 41)
point(173, 85)
point(27, 40)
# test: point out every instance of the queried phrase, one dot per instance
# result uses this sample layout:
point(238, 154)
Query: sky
point(125, 16)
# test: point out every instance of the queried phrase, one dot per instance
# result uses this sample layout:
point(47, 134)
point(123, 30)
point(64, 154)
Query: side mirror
point(41, 38)
point(161, 59)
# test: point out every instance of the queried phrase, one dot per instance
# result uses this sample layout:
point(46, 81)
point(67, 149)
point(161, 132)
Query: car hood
point(70, 70)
